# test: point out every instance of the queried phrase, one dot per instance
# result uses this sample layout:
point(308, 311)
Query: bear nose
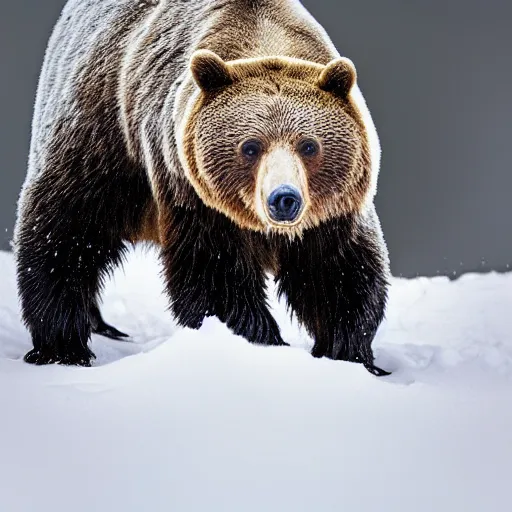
point(285, 203)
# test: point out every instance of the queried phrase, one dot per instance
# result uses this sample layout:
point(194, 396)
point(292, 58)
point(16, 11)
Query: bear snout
point(282, 196)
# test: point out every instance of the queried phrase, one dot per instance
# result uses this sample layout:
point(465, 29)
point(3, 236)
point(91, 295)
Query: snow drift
point(203, 421)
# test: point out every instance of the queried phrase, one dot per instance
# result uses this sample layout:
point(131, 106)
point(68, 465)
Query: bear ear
point(210, 72)
point(338, 77)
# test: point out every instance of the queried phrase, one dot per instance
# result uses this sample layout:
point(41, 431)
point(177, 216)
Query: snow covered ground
point(203, 421)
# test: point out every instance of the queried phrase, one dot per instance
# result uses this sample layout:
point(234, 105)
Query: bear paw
point(41, 357)
point(320, 350)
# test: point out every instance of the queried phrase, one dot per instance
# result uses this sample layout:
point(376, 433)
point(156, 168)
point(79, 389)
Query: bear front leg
point(211, 270)
point(335, 280)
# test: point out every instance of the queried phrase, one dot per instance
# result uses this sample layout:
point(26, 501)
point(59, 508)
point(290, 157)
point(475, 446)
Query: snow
point(203, 421)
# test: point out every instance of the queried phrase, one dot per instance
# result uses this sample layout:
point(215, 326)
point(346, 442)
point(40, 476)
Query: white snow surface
point(181, 420)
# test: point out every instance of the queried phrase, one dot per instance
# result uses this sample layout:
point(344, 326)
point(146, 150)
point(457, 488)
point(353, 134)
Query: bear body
point(229, 133)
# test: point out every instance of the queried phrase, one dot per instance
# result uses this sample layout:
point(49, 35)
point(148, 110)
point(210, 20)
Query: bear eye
point(252, 149)
point(308, 148)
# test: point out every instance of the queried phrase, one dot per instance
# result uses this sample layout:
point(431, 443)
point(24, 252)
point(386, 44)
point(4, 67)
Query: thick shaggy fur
point(135, 138)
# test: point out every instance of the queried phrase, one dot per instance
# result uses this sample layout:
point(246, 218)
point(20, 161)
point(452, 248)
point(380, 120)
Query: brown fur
point(149, 230)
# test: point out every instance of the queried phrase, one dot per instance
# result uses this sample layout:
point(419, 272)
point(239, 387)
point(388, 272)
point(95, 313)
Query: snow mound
point(203, 421)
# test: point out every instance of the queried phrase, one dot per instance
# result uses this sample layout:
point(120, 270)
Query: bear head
point(277, 144)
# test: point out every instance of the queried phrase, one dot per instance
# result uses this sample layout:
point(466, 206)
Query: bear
point(231, 135)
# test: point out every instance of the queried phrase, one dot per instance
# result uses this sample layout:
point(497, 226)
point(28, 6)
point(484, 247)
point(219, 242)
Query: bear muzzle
point(282, 189)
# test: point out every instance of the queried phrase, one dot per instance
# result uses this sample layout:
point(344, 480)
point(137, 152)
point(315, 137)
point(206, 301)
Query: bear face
point(276, 143)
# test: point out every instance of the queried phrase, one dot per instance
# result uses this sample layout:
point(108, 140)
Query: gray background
point(437, 76)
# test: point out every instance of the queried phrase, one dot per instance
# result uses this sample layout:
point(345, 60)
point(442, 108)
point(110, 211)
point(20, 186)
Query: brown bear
point(228, 132)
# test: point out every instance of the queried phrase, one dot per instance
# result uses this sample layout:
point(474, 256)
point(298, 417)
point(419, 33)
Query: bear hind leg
point(60, 269)
point(67, 242)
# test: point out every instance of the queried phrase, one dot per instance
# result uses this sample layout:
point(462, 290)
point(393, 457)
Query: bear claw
point(108, 331)
point(375, 370)
point(277, 343)
point(99, 326)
